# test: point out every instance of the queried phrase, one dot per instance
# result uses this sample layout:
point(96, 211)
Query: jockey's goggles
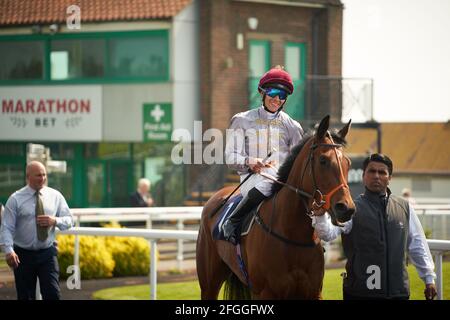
point(273, 92)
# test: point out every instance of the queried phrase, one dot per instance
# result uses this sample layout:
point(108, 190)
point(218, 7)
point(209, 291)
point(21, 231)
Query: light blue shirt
point(19, 218)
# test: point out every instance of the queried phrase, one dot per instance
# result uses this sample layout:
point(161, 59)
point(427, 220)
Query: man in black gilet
point(378, 239)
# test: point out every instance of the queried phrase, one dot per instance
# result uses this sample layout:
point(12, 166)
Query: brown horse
point(283, 258)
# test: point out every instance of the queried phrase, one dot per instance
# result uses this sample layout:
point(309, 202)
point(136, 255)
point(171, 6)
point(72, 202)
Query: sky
point(404, 46)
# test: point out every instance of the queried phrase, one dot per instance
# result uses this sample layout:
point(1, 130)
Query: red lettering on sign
point(19, 107)
point(29, 106)
point(73, 106)
point(85, 106)
point(41, 107)
point(7, 106)
point(46, 106)
point(61, 105)
point(50, 105)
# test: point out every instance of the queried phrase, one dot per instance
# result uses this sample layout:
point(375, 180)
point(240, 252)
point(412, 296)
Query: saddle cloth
point(225, 213)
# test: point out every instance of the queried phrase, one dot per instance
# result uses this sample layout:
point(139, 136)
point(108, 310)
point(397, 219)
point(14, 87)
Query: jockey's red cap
point(278, 78)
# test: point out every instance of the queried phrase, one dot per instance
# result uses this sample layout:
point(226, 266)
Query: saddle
point(225, 213)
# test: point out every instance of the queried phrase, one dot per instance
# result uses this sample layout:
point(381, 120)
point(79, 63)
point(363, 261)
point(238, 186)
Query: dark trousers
point(42, 264)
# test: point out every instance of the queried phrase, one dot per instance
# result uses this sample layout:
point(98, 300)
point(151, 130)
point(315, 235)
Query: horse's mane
point(285, 169)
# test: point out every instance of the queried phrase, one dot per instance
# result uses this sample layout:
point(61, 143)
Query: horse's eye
point(323, 160)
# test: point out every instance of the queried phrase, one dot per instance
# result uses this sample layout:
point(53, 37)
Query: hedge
point(105, 257)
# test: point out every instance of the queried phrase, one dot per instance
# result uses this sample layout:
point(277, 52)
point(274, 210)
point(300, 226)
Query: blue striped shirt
point(19, 219)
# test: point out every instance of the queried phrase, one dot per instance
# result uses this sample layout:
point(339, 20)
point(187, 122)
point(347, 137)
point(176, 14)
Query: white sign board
point(51, 113)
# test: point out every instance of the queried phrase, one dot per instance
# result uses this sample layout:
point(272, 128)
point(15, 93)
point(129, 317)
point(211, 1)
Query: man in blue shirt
point(28, 234)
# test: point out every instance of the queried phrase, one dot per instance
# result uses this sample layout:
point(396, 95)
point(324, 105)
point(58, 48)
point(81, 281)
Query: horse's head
point(327, 170)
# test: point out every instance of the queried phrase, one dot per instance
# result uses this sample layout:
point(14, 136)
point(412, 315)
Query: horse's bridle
point(320, 201)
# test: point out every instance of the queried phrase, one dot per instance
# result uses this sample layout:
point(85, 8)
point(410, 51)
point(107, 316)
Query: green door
point(295, 64)
point(119, 183)
point(109, 183)
point(259, 63)
point(96, 187)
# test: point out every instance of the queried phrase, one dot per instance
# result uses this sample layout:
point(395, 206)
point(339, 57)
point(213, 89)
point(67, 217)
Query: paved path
point(88, 287)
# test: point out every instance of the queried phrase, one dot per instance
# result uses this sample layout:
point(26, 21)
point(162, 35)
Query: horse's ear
point(343, 132)
point(323, 127)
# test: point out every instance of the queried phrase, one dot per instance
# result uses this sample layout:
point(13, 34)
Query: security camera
point(54, 28)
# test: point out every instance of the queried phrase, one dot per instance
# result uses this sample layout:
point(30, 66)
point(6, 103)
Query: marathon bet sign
point(157, 119)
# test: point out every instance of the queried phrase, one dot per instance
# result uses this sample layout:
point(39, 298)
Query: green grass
point(190, 290)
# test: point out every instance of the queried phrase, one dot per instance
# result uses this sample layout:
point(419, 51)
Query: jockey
point(252, 136)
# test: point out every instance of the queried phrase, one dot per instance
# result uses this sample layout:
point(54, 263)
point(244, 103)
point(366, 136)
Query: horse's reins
point(324, 201)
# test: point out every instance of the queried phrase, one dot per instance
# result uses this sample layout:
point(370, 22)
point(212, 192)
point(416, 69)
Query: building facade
point(107, 96)
point(420, 153)
point(241, 39)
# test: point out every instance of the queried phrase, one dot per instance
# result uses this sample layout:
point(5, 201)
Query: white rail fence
point(435, 219)
point(181, 214)
point(152, 235)
point(438, 248)
point(433, 216)
point(147, 215)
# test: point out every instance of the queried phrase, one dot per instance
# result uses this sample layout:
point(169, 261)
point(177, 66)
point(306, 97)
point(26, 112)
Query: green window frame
point(253, 79)
point(109, 37)
point(295, 105)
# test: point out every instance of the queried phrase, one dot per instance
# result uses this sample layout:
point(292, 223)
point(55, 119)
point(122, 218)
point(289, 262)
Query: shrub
point(104, 257)
point(96, 260)
point(131, 254)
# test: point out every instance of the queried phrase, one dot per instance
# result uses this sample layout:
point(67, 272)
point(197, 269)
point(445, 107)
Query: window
point(74, 59)
point(107, 150)
point(108, 57)
point(138, 57)
point(14, 150)
point(63, 182)
point(60, 151)
point(293, 57)
point(259, 54)
point(295, 64)
point(12, 178)
point(22, 60)
point(259, 63)
point(95, 186)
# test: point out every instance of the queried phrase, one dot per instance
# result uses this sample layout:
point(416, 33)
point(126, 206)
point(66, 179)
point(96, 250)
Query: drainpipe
point(379, 137)
point(314, 66)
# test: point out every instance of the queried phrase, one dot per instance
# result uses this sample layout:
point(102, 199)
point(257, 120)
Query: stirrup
point(228, 228)
point(231, 237)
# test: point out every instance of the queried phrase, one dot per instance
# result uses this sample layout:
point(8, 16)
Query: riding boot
point(232, 227)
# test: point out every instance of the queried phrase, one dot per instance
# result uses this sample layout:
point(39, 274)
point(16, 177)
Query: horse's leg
point(265, 294)
point(295, 284)
point(211, 270)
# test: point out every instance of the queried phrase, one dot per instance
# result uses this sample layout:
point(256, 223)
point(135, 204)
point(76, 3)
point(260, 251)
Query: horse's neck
point(291, 216)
